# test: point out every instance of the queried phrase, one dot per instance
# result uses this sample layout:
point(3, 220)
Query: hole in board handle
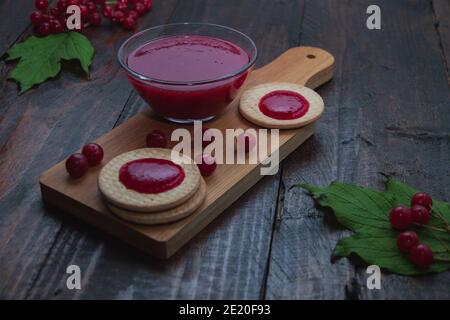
point(311, 56)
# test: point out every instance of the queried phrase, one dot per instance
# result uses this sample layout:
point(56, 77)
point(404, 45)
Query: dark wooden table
point(387, 110)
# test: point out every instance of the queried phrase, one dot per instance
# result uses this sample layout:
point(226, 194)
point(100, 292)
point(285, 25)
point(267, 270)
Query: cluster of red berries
point(77, 164)
point(50, 20)
point(402, 218)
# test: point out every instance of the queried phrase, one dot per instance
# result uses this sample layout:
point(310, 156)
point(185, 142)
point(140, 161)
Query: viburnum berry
point(36, 17)
point(117, 16)
point(133, 14)
point(156, 139)
point(77, 165)
point(55, 12)
point(94, 153)
point(140, 8)
point(44, 29)
point(147, 4)
point(107, 11)
point(41, 5)
point(423, 199)
point(421, 255)
point(73, 2)
point(95, 18)
point(400, 218)
point(92, 7)
point(206, 164)
point(420, 214)
point(406, 240)
point(121, 6)
point(56, 26)
point(62, 5)
point(128, 23)
point(100, 2)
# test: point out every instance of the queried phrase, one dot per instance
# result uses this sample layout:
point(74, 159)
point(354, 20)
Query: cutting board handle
point(307, 66)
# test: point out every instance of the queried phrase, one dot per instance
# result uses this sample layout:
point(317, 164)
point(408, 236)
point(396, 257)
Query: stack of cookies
point(145, 186)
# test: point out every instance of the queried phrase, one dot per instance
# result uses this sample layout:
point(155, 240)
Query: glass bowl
point(186, 101)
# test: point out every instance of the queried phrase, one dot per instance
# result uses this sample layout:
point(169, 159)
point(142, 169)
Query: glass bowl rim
point(120, 56)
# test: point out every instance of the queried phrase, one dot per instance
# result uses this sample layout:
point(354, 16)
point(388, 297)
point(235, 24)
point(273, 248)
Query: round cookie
point(118, 195)
point(174, 214)
point(249, 105)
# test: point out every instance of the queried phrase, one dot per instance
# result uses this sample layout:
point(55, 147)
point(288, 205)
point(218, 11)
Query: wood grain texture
point(384, 114)
point(82, 198)
point(228, 260)
point(392, 70)
point(41, 126)
point(441, 12)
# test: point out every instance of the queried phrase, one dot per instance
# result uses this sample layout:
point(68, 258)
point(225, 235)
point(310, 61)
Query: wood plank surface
point(381, 116)
point(228, 259)
point(386, 111)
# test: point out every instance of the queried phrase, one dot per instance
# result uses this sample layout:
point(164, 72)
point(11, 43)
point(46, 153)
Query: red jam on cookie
point(151, 175)
point(283, 105)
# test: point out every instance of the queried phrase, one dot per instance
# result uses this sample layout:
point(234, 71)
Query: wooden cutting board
point(303, 65)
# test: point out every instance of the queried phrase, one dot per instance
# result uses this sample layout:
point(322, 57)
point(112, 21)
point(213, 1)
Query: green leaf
point(382, 251)
point(359, 209)
point(366, 213)
point(40, 58)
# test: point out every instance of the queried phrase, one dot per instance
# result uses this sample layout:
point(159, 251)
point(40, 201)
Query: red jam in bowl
point(150, 175)
point(283, 105)
point(185, 73)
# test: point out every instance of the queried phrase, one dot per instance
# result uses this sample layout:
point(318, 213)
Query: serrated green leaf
point(359, 209)
point(382, 251)
point(40, 58)
point(366, 212)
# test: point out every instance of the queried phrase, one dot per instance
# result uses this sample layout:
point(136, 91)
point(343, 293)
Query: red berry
point(421, 255)
point(44, 29)
point(84, 11)
point(406, 240)
point(55, 12)
point(156, 139)
point(147, 4)
point(400, 218)
point(206, 164)
point(73, 2)
point(56, 26)
point(128, 23)
point(117, 16)
point(121, 6)
point(140, 8)
point(36, 18)
point(77, 165)
point(92, 7)
point(420, 214)
point(45, 18)
point(95, 19)
point(133, 14)
point(248, 140)
point(94, 153)
point(62, 5)
point(423, 199)
point(107, 11)
point(41, 5)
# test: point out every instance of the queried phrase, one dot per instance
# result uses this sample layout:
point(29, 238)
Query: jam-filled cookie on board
point(281, 105)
